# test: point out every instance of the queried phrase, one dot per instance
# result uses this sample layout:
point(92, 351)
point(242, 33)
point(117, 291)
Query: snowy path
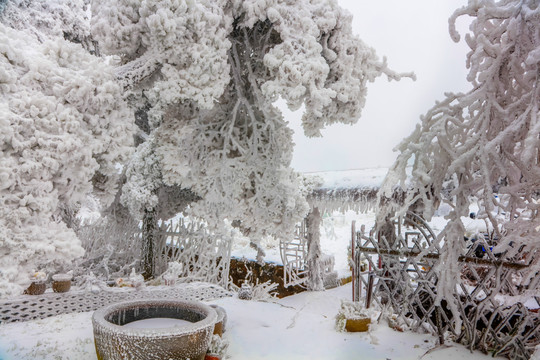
point(297, 327)
point(302, 327)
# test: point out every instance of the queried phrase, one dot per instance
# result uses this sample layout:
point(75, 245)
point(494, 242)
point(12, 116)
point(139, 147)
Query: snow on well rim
point(99, 318)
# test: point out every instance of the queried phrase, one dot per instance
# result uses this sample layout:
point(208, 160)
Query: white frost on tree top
point(208, 73)
point(63, 127)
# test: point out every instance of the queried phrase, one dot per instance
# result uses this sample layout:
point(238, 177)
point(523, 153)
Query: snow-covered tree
point(486, 142)
point(209, 72)
point(63, 127)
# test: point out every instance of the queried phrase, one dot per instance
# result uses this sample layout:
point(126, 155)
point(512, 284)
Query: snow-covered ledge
point(29, 307)
point(346, 190)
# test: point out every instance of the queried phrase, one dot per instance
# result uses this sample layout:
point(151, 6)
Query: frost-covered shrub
point(173, 272)
point(63, 127)
point(58, 19)
point(207, 74)
point(111, 248)
point(350, 310)
point(257, 291)
point(485, 141)
point(218, 347)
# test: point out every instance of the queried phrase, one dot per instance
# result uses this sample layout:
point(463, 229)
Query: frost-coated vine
point(63, 128)
point(209, 72)
point(482, 145)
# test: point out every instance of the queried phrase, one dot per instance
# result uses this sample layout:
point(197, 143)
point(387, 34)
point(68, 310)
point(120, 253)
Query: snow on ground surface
point(346, 179)
point(296, 327)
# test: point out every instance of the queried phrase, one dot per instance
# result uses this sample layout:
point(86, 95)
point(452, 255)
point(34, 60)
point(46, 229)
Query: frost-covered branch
point(64, 128)
point(483, 145)
point(210, 72)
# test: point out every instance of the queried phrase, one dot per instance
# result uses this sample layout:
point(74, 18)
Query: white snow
point(336, 232)
point(346, 179)
point(156, 323)
point(296, 327)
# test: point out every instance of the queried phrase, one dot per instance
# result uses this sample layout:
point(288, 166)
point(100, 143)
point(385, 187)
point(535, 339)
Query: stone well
point(115, 342)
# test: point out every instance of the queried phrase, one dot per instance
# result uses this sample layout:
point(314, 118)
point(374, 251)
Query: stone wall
point(239, 270)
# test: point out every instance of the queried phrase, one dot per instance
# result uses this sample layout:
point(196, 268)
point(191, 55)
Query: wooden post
point(379, 263)
point(369, 292)
point(315, 275)
point(353, 245)
point(147, 251)
point(438, 310)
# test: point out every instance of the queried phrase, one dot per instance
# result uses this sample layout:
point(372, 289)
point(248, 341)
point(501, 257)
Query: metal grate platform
point(30, 307)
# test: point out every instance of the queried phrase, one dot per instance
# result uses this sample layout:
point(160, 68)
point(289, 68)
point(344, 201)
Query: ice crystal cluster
point(206, 74)
point(476, 145)
point(63, 127)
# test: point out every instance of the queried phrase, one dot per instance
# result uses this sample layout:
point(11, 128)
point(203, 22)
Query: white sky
point(413, 35)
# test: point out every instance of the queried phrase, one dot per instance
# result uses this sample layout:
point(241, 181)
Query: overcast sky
point(413, 35)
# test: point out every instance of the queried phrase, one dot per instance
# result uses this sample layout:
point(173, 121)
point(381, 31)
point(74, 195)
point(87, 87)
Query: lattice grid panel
point(205, 256)
point(293, 254)
point(407, 284)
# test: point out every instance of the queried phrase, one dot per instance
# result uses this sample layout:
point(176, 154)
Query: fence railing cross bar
point(462, 258)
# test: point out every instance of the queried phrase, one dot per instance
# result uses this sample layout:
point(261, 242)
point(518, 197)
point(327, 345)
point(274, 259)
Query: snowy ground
point(296, 327)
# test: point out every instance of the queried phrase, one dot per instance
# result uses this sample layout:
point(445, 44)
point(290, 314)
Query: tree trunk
point(315, 274)
point(148, 239)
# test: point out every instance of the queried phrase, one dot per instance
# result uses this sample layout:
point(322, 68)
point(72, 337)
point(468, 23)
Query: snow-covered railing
point(498, 313)
point(349, 190)
point(205, 256)
point(293, 256)
point(343, 199)
point(30, 307)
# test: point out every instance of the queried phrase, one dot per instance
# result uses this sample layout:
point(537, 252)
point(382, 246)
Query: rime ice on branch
point(63, 127)
point(209, 72)
point(471, 146)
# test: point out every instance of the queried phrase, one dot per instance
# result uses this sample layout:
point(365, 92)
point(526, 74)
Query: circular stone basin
point(114, 341)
